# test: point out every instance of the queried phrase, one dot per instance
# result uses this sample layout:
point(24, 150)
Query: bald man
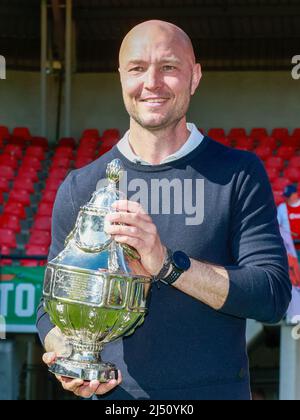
point(203, 219)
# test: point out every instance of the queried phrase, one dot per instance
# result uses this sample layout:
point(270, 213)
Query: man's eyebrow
point(173, 60)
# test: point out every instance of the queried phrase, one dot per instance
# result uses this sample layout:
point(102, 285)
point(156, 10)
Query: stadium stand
point(31, 172)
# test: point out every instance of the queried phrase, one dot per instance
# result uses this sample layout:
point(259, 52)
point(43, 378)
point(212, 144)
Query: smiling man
point(211, 275)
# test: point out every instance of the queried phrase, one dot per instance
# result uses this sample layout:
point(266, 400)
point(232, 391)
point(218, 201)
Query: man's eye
point(137, 69)
point(169, 68)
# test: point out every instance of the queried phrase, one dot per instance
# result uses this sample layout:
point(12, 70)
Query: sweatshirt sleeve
point(260, 287)
point(63, 221)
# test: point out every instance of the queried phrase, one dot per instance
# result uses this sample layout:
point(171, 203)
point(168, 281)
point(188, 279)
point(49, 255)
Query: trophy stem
point(84, 363)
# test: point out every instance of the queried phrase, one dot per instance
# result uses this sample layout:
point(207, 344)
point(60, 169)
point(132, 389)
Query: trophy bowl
point(95, 290)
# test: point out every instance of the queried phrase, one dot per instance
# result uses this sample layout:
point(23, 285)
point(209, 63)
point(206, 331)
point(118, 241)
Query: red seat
point(32, 162)
point(216, 133)
point(13, 150)
point(11, 222)
point(45, 209)
point(293, 174)
point(280, 183)
point(296, 133)
point(82, 161)
point(247, 143)
point(294, 162)
point(275, 162)
point(104, 149)
point(49, 196)
point(89, 142)
point(4, 185)
point(28, 172)
point(91, 132)
point(263, 152)
point(53, 184)
point(258, 133)
point(273, 174)
point(20, 196)
point(40, 142)
point(61, 162)
point(19, 141)
point(9, 160)
point(280, 134)
point(16, 208)
point(286, 152)
point(7, 172)
point(225, 141)
point(268, 142)
point(42, 223)
point(111, 136)
point(36, 151)
point(58, 173)
point(36, 250)
point(292, 141)
point(85, 151)
point(23, 183)
point(66, 152)
point(5, 250)
point(67, 142)
point(278, 197)
point(22, 132)
point(4, 132)
point(236, 133)
point(40, 238)
point(1, 197)
point(8, 238)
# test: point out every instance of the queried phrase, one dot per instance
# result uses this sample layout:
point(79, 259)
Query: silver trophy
point(95, 290)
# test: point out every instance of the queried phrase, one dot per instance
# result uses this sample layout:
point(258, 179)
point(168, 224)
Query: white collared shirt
point(194, 140)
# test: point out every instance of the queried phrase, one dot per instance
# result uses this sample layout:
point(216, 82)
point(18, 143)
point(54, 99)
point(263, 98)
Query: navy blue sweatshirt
point(185, 349)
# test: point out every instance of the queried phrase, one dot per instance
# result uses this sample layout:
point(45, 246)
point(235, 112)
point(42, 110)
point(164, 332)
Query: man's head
point(159, 74)
point(291, 194)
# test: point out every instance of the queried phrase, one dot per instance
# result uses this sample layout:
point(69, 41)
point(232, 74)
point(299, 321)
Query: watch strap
point(165, 268)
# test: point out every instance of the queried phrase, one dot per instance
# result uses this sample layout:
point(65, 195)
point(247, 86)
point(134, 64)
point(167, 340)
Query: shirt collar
point(194, 140)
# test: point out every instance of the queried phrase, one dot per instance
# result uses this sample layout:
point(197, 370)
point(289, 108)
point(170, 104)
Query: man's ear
point(197, 76)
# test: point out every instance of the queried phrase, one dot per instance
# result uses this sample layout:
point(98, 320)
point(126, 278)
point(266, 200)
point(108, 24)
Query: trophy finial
point(114, 171)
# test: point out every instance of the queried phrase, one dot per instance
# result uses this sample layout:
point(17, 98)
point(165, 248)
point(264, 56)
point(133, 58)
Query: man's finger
point(71, 384)
point(129, 206)
point(104, 388)
point(49, 358)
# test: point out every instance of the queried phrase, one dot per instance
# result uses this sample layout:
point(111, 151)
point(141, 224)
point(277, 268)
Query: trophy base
point(102, 372)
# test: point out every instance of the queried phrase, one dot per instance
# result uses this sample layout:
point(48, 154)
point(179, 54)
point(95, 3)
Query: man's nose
point(152, 79)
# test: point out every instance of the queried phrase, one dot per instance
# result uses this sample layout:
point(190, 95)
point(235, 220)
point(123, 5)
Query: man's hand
point(55, 344)
point(137, 230)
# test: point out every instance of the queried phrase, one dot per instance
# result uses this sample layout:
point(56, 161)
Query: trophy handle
point(131, 252)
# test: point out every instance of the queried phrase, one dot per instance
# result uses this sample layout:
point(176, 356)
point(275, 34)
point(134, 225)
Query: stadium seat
point(1, 197)
point(216, 133)
point(45, 209)
point(236, 133)
point(53, 184)
point(275, 162)
point(42, 223)
point(20, 196)
point(7, 172)
point(19, 141)
point(28, 172)
point(32, 162)
point(296, 133)
point(268, 142)
point(280, 134)
point(40, 142)
point(36, 250)
point(286, 152)
point(9, 160)
point(294, 162)
point(273, 174)
point(4, 132)
point(36, 151)
point(58, 173)
point(40, 238)
point(111, 136)
point(247, 143)
point(11, 222)
point(49, 196)
point(263, 152)
point(258, 133)
point(292, 141)
point(86, 151)
point(13, 150)
point(278, 197)
point(225, 141)
point(80, 162)
point(23, 183)
point(104, 149)
point(61, 162)
point(22, 132)
point(88, 142)
point(69, 142)
point(5, 250)
point(4, 185)
point(280, 183)
point(8, 238)
point(16, 208)
point(91, 132)
point(66, 152)
point(293, 174)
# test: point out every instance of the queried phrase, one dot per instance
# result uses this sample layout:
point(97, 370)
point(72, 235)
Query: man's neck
point(154, 146)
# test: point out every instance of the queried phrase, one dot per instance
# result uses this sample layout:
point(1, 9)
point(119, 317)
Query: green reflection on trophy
point(95, 290)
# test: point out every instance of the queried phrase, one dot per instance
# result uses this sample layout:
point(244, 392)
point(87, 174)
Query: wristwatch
point(179, 262)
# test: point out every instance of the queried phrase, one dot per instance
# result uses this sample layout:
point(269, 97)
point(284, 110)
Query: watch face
point(181, 260)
